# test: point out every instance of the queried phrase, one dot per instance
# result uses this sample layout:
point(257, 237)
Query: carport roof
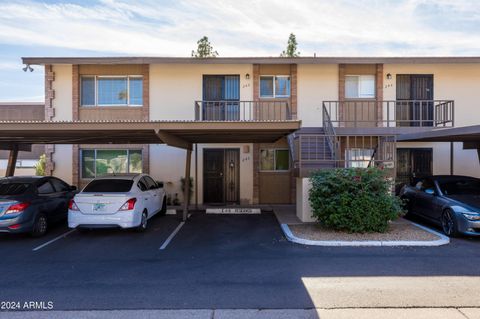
point(456, 134)
point(175, 133)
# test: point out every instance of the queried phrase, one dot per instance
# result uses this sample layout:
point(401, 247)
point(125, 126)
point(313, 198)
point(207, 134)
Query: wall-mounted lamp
point(27, 67)
point(247, 76)
point(389, 76)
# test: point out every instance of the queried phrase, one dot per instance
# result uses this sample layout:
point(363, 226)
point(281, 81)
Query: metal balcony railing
point(395, 113)
point(242, 111)
point(312, 152)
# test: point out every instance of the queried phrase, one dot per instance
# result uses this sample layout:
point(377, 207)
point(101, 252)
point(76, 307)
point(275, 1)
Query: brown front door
point(221, 176)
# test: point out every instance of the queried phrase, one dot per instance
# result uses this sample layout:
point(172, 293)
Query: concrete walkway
point(358, 313)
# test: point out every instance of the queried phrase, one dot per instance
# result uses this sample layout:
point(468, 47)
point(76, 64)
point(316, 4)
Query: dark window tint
point(109, 186)
point(13, 188)
point(150, 183)
point(464, 187)
point(59, 185)
point(142, 185)
point(45, 188)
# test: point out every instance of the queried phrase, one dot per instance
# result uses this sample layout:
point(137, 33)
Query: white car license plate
point(99, 207)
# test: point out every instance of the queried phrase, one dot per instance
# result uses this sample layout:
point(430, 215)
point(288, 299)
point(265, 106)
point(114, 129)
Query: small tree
point(40, 166)
point(291, 50)
point(204, 49)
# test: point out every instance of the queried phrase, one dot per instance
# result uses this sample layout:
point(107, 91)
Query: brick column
point(379, 91)
point(75, 92)
point(146, 92)
point(256, 177)
point(256, 146)
point(49, 93)
point(293, 90)
point(49, 115)
point(75, 117)
point(341, 92)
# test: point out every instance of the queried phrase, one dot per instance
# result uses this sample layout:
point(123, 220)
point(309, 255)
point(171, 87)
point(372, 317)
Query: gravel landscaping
point(399, 230)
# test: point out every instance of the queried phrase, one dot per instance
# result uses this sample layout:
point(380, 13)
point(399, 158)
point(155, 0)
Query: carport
point(20, 135)
point(468, 135)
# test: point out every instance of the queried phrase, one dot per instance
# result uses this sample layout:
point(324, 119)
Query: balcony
point(394, 113)
point(242, 111)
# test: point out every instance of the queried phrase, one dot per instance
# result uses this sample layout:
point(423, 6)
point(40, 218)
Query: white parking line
point(169, 239)
point(54, 240)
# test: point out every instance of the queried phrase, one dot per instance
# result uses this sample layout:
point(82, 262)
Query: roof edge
point(248, 60)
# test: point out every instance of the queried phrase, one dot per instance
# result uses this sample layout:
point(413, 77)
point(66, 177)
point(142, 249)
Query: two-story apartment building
point(349, 111)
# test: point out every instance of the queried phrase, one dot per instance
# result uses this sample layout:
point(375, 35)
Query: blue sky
point(235, 28)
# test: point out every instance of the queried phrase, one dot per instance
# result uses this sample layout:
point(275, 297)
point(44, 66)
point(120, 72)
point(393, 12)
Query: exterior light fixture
point(247, 76)
point(389, 76)
point(27, 67)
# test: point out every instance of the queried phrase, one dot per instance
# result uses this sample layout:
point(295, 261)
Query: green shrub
point(355, 200)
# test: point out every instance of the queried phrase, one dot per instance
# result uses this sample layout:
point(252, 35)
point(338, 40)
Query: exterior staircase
point(311, 149)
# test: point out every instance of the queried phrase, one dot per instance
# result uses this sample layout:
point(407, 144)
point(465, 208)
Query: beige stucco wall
point(63, 92)
point(63, 162)
point(316, 83)
point(62, 157)
point(167, 164)
point(304, 210)
point(173, 90)
point(175, 87)
point(458, 82)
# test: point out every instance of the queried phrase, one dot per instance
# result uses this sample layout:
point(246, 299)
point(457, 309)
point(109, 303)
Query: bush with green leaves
point(355, 200)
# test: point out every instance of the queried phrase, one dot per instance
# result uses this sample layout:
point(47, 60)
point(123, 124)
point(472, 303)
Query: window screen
point(112, 91)
point(87, 89)
point(274, 160)
point(136, 91)
point(266, 86)
point(358, 157)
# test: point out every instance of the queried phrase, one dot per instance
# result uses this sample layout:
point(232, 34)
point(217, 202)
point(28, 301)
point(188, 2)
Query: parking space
point(62, 243)
point(201, 234)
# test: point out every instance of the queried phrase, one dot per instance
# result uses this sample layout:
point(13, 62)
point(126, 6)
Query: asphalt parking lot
point(212, 262)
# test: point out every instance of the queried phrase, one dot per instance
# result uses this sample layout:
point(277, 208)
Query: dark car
point(447, 200)
point(30, 204)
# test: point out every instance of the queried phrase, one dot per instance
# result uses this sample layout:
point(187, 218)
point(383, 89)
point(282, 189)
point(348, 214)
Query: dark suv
point(29, 204)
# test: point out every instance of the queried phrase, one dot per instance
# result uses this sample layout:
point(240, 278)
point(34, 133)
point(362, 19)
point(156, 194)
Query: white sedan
point(125, 201)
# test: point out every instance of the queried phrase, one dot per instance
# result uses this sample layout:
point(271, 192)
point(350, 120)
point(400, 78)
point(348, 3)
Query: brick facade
point(49, 115)
point(108, 113)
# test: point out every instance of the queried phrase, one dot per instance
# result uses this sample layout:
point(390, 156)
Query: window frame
point(95, 86)
point(360, 96)
point(128, 150)
point(349, 162)
point(274, 96)
point(275, 170)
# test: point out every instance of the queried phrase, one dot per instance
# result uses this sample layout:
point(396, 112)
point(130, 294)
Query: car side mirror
point(430, 191)
point(160, 184)
point(73, 188)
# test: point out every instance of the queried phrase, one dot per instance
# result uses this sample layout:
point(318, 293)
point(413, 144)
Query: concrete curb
point(444, 240)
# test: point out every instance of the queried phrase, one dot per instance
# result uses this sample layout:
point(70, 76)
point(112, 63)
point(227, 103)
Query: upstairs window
point(111, 91)
point(274, 86)
point(360, 86)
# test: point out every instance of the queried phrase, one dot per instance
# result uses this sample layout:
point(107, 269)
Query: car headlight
point(471, 216)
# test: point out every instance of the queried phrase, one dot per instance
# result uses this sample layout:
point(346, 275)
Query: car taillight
point(129, 204)
point(72, 205)
point(17, 208)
